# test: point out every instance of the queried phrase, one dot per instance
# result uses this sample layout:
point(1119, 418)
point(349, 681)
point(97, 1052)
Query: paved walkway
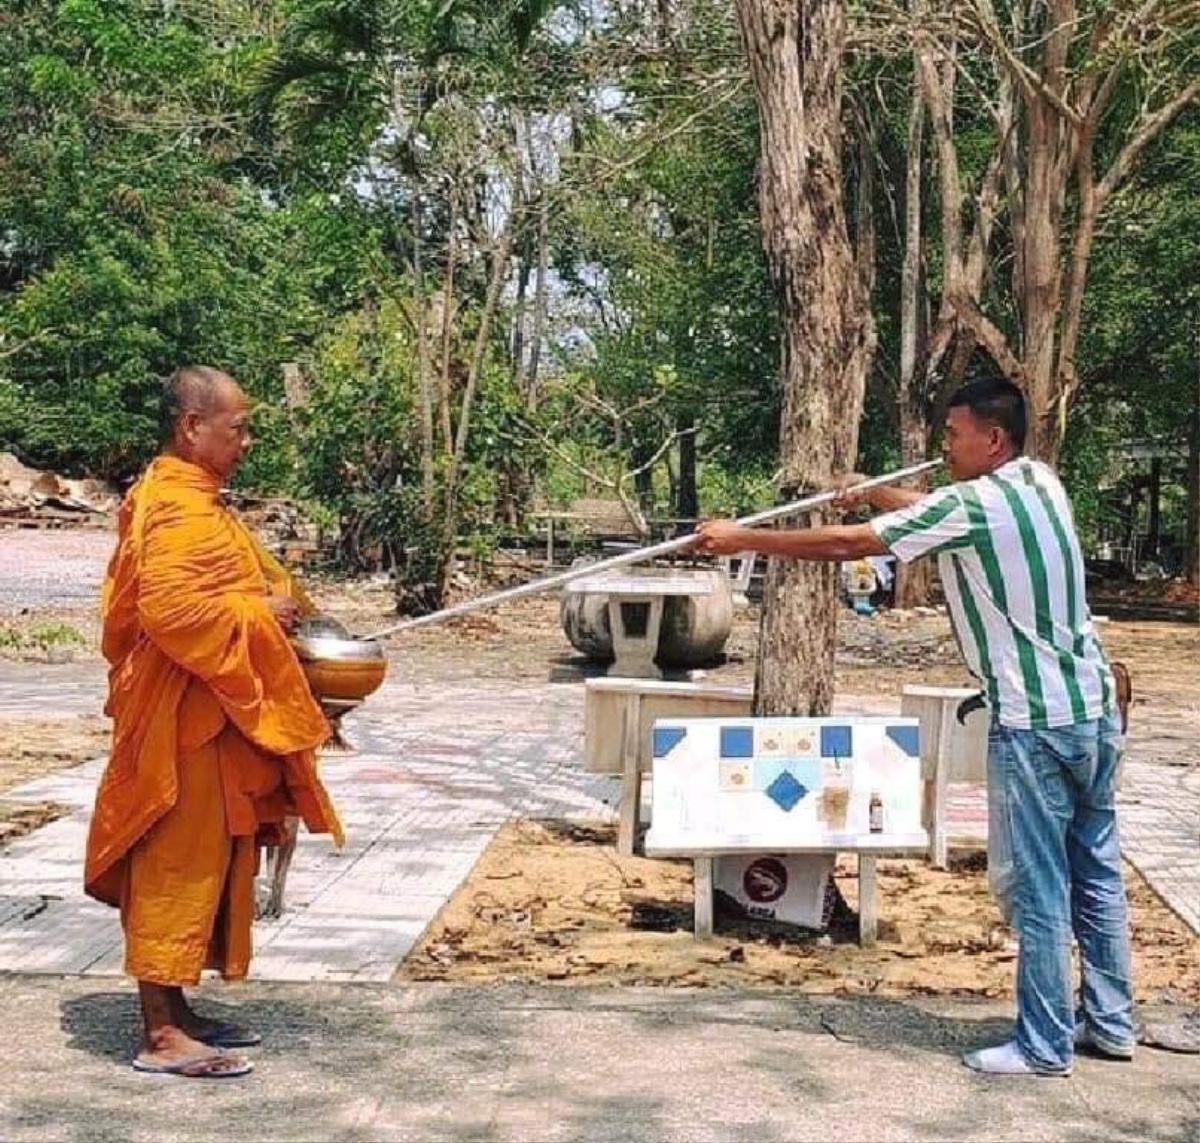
point(1160, 810)
point(419, 1062)
point(432, 783)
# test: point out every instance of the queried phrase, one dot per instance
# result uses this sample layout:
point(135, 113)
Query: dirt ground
point(552, 901)
point(32, 746)
point(549, 901)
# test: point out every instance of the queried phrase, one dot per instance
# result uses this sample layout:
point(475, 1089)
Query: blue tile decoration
point(737, 742)
point(806, 770)
point(666, 738)
point(837, 741)
point(766, 770)
point(786, 791)
point(907, 738)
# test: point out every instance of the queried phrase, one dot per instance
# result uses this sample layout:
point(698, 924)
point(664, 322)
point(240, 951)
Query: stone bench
point(618, 717)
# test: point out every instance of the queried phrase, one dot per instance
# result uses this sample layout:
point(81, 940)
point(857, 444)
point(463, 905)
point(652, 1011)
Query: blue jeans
point(1055, 867)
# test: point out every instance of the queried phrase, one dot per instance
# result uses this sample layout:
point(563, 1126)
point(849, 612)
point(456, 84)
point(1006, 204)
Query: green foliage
point(358, 448)
point(1141, 349)
point(233, 183)
point(665, 260)
point(41, 638)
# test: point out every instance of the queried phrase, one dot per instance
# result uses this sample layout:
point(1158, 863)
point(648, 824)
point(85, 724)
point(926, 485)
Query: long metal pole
point(640, 554)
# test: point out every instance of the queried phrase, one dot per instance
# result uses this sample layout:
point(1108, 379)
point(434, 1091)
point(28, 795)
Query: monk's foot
point(171, 1051)
point(218, 1033)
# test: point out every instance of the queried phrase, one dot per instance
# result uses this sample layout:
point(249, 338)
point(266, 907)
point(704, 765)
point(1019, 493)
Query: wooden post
point(703, 881)
point(868, 901)
point(1154, 527)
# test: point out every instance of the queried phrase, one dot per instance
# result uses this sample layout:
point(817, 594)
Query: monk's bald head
point(205, 417)
point(192, 389)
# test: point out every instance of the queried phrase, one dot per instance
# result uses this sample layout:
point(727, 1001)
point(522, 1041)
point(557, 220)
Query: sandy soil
point(550, 901)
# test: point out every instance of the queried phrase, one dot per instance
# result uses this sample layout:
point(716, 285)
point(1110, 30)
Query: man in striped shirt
point(1012, 571)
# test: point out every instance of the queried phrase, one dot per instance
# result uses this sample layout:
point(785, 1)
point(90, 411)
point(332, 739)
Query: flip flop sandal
point(197, 1067)
point(230, 1036)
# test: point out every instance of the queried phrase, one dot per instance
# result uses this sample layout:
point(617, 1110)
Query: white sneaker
point(1086, 1038)
point(1006, 1060)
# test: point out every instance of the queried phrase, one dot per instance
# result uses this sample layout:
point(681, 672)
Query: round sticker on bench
point(765, 880)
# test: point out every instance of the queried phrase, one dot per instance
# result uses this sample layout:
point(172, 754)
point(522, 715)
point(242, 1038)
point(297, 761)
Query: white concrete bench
point(950, 752)
point(618, 717)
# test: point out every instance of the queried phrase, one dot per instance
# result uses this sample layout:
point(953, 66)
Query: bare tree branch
point(1150, 129)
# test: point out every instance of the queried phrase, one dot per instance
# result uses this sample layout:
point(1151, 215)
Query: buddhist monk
point(214, 727)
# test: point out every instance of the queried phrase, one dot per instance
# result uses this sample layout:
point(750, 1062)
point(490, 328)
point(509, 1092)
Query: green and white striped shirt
point(1012, 570)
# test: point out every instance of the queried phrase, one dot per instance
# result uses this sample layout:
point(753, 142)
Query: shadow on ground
point(365, 1062)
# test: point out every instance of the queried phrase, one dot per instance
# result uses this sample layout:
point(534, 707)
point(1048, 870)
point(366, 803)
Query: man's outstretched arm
point(834, 542)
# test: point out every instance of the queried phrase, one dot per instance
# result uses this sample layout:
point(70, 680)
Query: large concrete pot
point(694, 627)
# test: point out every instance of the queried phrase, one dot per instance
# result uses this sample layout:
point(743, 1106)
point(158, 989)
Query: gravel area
point(52, 568)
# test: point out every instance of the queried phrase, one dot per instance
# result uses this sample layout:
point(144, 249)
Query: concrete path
point(370, 1062)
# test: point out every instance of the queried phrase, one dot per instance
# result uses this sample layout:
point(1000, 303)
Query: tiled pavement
point(1160, 809)
point(436, 775)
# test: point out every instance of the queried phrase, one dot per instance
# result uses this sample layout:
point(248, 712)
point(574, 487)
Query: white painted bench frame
point(618, 717)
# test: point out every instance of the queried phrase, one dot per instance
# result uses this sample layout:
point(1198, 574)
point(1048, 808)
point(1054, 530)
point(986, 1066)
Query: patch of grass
point(41, 637)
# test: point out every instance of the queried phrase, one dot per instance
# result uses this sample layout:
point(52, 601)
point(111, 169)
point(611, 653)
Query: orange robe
point(214, 729)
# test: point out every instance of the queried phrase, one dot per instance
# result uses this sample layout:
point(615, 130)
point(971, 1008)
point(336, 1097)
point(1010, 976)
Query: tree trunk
point(499, 274)
point(1192, 565)
point(1154, 526)
point(444, 385)
point(643, 474)
point(424, 370)
point(912, 580)
point(828, 339)
point(517, 341)
point(1063, 61)
point(687, 497)
point(538, 333)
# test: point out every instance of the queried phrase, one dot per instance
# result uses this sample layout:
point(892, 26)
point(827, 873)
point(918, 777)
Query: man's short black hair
point(995, 402)
point(190, 389)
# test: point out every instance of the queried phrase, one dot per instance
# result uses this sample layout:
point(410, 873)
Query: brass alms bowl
point(337, 666)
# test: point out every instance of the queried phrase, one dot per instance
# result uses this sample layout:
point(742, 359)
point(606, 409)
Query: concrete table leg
point(635, 622)
point(631, 777)
point(868, 901)
point(703, 879)
point(938, 831)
